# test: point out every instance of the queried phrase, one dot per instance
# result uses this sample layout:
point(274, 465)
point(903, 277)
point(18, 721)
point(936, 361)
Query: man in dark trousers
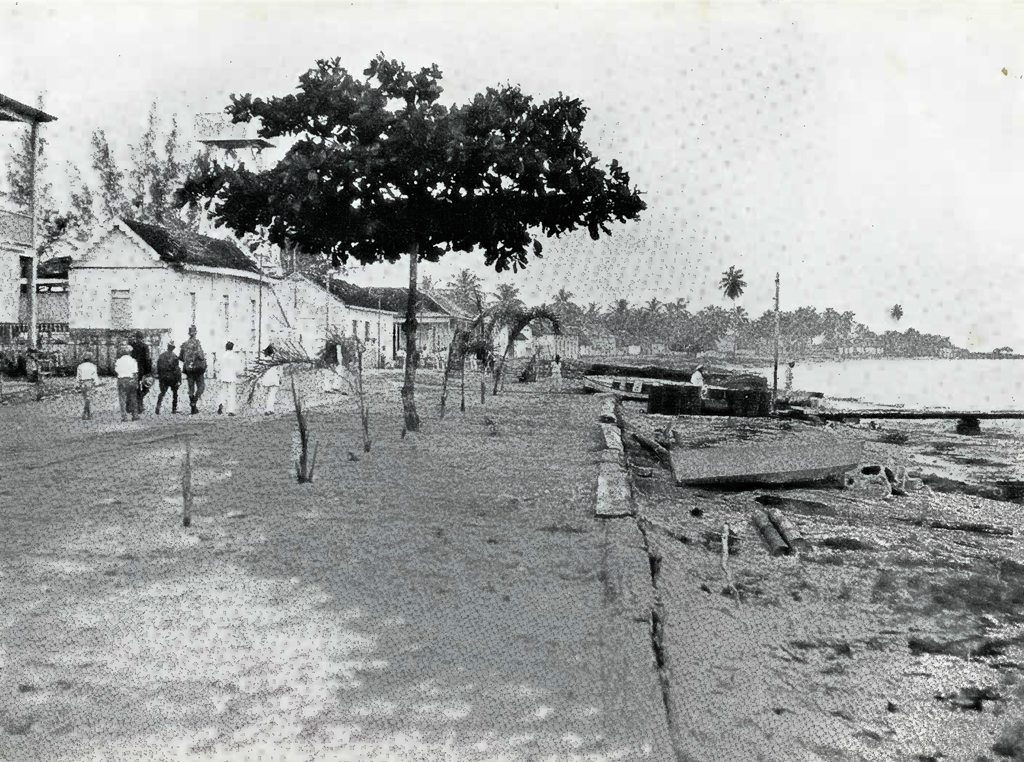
point(168, 373)
point(194, 360)
point(141, 355)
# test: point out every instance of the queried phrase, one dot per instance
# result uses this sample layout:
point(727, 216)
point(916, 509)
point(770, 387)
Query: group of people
point(135, 377)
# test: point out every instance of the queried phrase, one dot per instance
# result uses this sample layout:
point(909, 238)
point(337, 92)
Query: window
point(120, 309)
point(355, 329)
point(366, 335)
point(227, 315)
point(192, 298)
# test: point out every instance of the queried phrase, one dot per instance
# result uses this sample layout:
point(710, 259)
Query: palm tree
point(732, 284)
point(466, 289)
point(896, 312)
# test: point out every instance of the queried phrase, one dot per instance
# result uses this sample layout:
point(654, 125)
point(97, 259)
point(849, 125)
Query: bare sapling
point(364, 410)
point(449, 364)
point(305, 465)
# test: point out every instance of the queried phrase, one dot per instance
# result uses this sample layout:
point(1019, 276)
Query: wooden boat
point(625, 387)
point(767, 464)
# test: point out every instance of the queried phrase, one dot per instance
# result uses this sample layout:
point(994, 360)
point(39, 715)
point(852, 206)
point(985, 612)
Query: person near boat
point(788, 389)
point(697, 379)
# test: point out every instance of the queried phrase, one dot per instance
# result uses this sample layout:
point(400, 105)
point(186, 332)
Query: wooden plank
point(613, 493)
point(769, 463)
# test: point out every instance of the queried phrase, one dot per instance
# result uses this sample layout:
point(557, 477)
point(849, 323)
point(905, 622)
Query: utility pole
point(775, 375)
point(33, 324)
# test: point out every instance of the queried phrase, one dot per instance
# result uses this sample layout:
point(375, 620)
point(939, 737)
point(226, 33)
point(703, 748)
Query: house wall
point(51, 307)
point(10, 282)
point(152, 296)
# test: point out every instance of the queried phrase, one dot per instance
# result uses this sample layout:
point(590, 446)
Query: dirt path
point(439, 597)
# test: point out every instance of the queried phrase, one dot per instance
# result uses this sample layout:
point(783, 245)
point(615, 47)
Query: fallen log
point(776, 545)
point(787, 530)
point(650, 444)
point(959, 526)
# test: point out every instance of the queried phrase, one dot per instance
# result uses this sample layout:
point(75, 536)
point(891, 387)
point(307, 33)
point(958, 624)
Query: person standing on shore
point(788, 390)
point(227, 372)
point(168, 373)
point(271, 381)
point(88, 378)
point(144, 361)
point(194, 360)
point(697, 379)
point(556, 374)
point(127, 371)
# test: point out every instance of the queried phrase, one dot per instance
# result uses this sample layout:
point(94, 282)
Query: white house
point(15, 239)
point(135, 276)
point(313, 311)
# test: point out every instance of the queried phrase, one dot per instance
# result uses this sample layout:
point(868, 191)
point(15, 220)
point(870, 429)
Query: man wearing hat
point(194, 360)
point(168, 373)
point(127, 371)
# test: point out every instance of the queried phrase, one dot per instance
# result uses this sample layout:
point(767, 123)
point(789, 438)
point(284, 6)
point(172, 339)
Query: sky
point(870, 154)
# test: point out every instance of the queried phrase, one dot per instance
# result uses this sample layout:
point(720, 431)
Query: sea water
point(914, 383)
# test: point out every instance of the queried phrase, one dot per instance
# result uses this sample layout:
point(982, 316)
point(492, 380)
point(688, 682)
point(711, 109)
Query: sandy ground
point(445, 596)
point(825, 655)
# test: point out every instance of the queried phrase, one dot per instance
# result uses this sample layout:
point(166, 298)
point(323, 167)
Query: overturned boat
point(770, 464)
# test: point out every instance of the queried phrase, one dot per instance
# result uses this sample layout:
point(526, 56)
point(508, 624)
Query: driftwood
point(649, 443)
point(960, 526)
point(725, 563)
point(787, 530)
point(776, 545)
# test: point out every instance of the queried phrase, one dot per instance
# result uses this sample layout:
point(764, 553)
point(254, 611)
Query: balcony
point(15, 228)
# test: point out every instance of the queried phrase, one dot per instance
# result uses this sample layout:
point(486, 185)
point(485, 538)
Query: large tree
point(380, 169)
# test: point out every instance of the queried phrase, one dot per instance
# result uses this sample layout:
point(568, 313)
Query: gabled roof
point(186, 248)
point(452, 306)
point(378, 297)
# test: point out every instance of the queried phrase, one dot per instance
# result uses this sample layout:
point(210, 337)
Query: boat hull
point(772, 464)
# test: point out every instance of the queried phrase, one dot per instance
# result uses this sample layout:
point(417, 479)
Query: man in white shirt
point(697, 379)
point(228, 370)
point(88, 377)
point(127, 371)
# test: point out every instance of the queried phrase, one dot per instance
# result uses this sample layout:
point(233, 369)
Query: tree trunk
point(412, 419)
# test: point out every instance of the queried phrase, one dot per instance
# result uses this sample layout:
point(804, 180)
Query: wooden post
point(32, 313)
point(483, 391)
point(775, 373)
point(186, 486)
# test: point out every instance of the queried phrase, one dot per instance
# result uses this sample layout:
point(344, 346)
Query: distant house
point(314, 310)
point(15, 242)
point(135, 276)
point(437, 319)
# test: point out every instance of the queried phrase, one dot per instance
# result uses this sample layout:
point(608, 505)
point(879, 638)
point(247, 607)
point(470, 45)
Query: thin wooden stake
point(186, 487)
point(725, 563)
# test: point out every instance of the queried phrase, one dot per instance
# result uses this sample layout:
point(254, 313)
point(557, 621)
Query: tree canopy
point(379, 165)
